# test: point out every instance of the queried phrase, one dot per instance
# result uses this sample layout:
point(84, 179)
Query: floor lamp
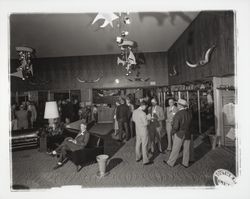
point(51, 112)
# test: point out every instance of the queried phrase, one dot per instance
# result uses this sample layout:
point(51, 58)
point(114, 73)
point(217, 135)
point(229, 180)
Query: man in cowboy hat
point(182, 134)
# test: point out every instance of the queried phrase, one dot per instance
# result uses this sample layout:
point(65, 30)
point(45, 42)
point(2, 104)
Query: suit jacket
point(122, 113)
point(169, 113)
point(81, 141)
point(159, 114)
point(182, 124)
point(141, 122)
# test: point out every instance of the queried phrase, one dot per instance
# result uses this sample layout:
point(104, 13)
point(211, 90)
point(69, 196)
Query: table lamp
point(51, 112)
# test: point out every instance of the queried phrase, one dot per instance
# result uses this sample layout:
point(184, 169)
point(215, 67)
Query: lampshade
point(51, 110)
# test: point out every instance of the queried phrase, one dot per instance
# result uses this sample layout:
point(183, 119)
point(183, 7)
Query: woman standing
point(170, 112)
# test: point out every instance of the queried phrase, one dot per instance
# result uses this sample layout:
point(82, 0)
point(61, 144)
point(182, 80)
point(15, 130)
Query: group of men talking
point(148, 127)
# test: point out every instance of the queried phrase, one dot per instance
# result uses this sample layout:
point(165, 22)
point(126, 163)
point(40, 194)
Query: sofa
point(23, 139)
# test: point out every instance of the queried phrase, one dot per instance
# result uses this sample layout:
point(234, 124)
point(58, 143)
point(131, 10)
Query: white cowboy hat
point(182, 102)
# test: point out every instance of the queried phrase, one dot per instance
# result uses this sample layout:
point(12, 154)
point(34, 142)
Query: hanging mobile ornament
point(126, 20)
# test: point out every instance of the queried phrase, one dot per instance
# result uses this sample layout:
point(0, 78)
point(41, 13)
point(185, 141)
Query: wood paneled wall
point(209, 28)
point(62, 72)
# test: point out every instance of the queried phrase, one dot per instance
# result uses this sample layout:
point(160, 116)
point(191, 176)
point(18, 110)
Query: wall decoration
point(35, 81)
point(106, 96)
point(108, 17)
point(204, 61)
point(90, 81)
point(139, 79)
point(174, 72)
point(106, 93)
point(226, 87)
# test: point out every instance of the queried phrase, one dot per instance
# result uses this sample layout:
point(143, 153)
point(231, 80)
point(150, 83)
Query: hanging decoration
point(108, 18)
point(204, 61)
point(90, 81)
point(127, 58)
point(174, 72)
point(25, 70)
point(128, 47)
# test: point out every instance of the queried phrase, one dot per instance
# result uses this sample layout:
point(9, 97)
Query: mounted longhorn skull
point(89, 81)
point(139, 79)
point(204, 61)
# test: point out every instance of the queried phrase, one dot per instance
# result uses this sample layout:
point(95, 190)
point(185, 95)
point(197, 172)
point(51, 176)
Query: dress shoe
point(165, 162)
point(52, 153)
point(162, 152)
point(139, 160)
point(58, 165)
point(184, 166)
point(148, 163)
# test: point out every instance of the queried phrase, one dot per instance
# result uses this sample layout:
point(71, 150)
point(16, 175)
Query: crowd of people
point(23, 116)
point(146, 123)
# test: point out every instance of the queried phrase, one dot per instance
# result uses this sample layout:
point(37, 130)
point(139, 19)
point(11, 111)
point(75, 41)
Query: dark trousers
point(123, 128)
point(63, 148)
point(132, 128)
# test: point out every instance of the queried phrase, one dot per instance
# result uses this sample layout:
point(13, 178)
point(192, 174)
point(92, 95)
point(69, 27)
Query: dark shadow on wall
point(160, 17)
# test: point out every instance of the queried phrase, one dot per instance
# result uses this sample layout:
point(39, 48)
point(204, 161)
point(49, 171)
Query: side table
point(43, 144)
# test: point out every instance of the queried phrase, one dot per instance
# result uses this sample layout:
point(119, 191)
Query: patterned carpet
point(32, 169)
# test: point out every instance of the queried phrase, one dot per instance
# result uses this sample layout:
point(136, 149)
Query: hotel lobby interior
point(73, 67)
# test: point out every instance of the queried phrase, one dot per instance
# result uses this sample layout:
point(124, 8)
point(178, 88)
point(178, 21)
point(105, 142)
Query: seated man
point(70, 144)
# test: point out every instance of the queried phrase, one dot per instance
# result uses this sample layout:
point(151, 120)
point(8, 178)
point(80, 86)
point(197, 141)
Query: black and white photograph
point(123, 98)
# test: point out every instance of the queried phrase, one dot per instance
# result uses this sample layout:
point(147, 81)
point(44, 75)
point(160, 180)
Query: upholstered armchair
point(81, 157)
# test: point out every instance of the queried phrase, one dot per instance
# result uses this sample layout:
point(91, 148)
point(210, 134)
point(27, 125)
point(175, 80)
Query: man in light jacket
point(141, 123)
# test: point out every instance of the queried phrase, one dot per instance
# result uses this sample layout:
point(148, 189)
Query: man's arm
point(161, 114)
point(118, 113)
point(86, 139)
point(175, 125)
point(143, 119)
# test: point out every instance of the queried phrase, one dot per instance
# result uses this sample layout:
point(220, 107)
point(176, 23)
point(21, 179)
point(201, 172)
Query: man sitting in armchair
point(70, 144)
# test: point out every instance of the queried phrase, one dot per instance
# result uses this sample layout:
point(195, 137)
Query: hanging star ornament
point(108, 17)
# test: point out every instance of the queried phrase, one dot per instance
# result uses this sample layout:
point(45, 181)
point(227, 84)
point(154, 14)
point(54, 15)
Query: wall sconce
point(117, 81)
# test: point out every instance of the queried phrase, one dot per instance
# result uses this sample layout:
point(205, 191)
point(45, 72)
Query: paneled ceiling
point(60, 35)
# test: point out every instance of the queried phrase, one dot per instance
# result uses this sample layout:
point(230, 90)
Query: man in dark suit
point(70, 144)
point(122, 116)
point(182, 134)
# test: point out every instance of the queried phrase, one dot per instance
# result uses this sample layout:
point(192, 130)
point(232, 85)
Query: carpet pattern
point(32, 169)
